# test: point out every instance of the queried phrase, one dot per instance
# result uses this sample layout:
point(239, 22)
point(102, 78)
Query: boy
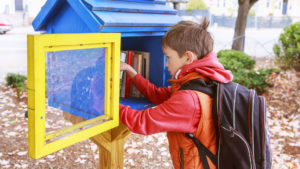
point(188, 48)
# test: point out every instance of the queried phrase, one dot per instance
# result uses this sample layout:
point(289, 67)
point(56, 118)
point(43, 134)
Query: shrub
point(17, 82)
point(287, 50)
point(242, 67)
point(251, 13)
point(196, 4)
point(235, 60)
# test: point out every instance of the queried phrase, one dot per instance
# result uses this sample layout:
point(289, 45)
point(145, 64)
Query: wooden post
point(110, 144)
point(111, 147)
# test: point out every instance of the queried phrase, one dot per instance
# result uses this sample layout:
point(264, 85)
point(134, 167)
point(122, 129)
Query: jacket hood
point(209, 66)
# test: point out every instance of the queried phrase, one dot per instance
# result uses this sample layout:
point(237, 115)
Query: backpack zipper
point(218, 93)
point(246, 143)
point(252, 120)
point(263, 128)
point(233, 108)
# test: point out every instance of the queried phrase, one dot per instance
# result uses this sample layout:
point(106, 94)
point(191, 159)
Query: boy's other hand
point(128, 69)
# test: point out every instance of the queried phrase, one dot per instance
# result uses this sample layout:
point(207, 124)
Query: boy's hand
point(128, 69)
point(123, 66)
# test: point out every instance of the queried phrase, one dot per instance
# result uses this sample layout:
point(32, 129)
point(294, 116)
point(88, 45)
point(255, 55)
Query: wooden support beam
point(119, 132)
point(115, 158)
point(110, 144)
point(101, 140)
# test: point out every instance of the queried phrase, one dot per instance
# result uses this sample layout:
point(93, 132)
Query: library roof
point(129, 17)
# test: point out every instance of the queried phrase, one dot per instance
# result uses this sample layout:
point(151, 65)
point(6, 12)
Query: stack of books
point(139, 60)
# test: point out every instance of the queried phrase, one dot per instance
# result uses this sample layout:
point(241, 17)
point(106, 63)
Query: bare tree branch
point(241, 1)
point(252, 2)
point(241, 22)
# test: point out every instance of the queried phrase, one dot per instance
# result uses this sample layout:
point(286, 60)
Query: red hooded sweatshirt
point(176, 112)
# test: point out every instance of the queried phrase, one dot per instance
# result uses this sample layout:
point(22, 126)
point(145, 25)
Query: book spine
point(140, 60)
point(127, 85)
point(123, 74)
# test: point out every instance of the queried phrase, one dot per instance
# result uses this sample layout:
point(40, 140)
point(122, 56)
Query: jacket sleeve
point(180, 113)
point(156, 95)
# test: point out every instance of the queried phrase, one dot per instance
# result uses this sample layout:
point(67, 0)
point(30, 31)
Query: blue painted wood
point(53, 7)
point(75, 23)
point(49, 27)
point(135, 34)
point(137, 103)
point(146, 1)
point(47, 11)
point(167, 75)
point(133, 7)
point(140, 29)
point(133, 19)
point(86, 15)
point(134, 16)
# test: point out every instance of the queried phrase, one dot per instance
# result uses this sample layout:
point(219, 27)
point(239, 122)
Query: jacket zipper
point(181, 158)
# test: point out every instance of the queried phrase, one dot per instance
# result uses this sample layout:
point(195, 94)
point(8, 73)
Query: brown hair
point(189, 36)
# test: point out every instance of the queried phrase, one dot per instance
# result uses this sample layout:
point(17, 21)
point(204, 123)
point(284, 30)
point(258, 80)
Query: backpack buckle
point(189, 135)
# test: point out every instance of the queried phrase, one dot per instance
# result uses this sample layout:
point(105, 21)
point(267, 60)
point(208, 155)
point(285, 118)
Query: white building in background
point(222, 7)
point(262, 8)
point(177, 4)
point(7, 7)
point(293, 8)
point(278, 8)
point(30, 7)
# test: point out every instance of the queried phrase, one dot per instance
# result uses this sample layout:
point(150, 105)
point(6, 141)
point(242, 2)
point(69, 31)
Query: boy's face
point(174, 61)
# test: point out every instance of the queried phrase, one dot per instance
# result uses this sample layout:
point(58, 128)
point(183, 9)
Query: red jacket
point(178, 111)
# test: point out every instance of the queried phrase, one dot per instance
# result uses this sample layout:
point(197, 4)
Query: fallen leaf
point(22, 153)
point(4, 162)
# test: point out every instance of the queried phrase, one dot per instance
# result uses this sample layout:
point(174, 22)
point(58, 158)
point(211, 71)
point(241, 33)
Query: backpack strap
point(209, 89)
point(200, 85)
point(203, 151)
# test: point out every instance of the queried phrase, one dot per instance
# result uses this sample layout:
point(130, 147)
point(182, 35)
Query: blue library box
point(141, 23)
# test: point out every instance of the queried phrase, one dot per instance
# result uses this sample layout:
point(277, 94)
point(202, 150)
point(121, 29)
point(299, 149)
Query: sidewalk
point(259, 42)
point(13, 51)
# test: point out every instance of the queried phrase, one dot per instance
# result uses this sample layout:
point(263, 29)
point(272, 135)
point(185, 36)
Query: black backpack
point(240, 120)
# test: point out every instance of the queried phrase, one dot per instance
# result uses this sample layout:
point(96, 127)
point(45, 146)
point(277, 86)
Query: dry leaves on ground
point(284, 119)
point(146, 151)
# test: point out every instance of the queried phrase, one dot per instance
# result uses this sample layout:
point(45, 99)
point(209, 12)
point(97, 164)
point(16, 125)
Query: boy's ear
point(190, 57)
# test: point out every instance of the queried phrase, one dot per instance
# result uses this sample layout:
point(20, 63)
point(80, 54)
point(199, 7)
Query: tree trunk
point(240, 25)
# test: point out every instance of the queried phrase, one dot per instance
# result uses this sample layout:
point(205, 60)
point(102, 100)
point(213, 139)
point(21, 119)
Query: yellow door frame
point(38, 46)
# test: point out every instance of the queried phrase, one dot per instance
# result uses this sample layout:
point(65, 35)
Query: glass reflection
point(76, 81)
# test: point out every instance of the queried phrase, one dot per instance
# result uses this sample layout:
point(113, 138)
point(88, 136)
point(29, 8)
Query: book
point(136, 59)
point(127, 85)
point(139, 60)
point(123, 58)
point(145, 62)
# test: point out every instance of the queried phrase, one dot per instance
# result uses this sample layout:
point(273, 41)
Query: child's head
point(185, 42)
point(189, 36)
